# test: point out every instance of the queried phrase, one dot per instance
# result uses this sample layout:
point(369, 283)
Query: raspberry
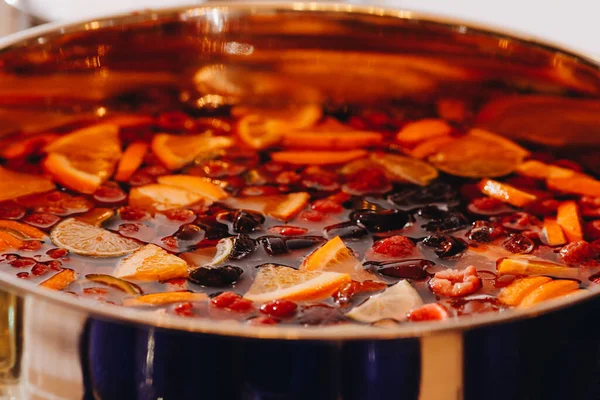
point(279, 308)
point(327, 206)
point(288, 230)
point(578, 252)
point(486, 203)
point(394, 246)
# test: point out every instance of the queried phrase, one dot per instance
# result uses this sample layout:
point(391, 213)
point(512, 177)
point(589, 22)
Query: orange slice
point(25, 147)
point(159, 197)
point(317, 157)
point(416, 132)
point(405, 169)
point(176, 151)
point(281, 206)
point(575, 184)
point(9, 241)
point(552, 233)
point(83, 159)
point(160, 299)
point(151, 263)
point(549, 291)
point(20, 230)
point(431, 146)
point(524, 266)
point(131, 160)
point(60, 281)
point(96, 216)
point(334, 256)
point(506, 193)
point(277, 282)
point(479, 154)
point(514, 293)
point(539, 170)
point(88, 240)
point(16, 184)
point(569, 219)
point(332, 140)
point(259, 131)
point(195, 184)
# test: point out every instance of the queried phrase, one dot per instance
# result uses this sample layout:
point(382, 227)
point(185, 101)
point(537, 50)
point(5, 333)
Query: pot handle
point(442, 367)
point(10, 338)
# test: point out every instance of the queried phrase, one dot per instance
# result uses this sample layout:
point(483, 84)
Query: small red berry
point(279, 308)
point(40, 269)
point(486, 203)
point(288, 230)
point(224, 299)
point(41, 220)
point(240, 305)
point(327, 206)
point(132, 213)
point(109, 193)
point(394, 246)
point(181, 215)
point(31, 245)
point(262, 320)
point(312, 215)
point(23, 275)
point(428, 312)
point(578, 252)
point(57, 253)
point(184, 309)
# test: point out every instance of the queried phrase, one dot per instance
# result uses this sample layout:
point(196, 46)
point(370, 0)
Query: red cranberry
point(592, 230)
point(518, 244)
point(279, 308)
point(523, 182)
point(39, 269)
point(11, 211)
point(175, 121)
point(126, 229)
point(321, 181)
point(327, 206)
point(224, 299)
point(55, 265)
point(176, 281)
point(428, 312)
point(563, 163)
point(170, 242)
point(262, 320)
point(455, 283)
point(132, 213)
point(544, 208)
point(395, 246)
point(367, 180)
point(259, 190)
point(312, 215)
point(181, 214)
point(57, 253)
point(98, 291)
point(345, 293)
point(288, 230)
point(288, 178)
point(578, 252)
point(23, 275)
point(23, 263)
point(31, 245)
point(140, 179)
point(109, 193)
point(41, 220)
point(184, 309)
point(154, 170)
point(486, 203)
point(240, 305)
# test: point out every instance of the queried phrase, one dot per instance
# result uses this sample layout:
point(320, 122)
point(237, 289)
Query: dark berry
point(450, 221)
point(431, 212)
point(242, 247)
point(345, 230)
point(485, 232)
point(435, 193)
point(445, 246)
point(518, 244)
point(405, 269)
point(579, 252)
point(273, 245)
point(279, 308)
point(303, 242)
point(247, 221)
point(320, 314)
point(380, 221)
point(349, 290)
point(190, 233)
point(215, 276)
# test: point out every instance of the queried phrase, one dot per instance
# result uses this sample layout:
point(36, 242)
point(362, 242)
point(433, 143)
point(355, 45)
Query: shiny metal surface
point(277, 55)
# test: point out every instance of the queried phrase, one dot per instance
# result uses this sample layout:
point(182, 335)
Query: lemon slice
point(88, 240)
point(151, 263)
point(278, 282)
point(395, 303)
point(405, 169)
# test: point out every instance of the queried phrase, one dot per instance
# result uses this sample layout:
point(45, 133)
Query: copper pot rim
point(239, 329)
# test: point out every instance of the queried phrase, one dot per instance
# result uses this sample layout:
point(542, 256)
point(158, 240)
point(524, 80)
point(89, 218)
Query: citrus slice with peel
point(278, 282)
point(479, 154)
point(84, 159)
point(416, 132)
point(20, 230)
point(334, 256)
point(151, 263)
point(280, 206)
point(88, 240)
point(405, 169)
point(60, 281)
point(158, 197)
point(196, 184)
point(320, 157)
point(393, 303)
point(164, 298)
point(16, 184)
point(260, 132)
point(176, 151)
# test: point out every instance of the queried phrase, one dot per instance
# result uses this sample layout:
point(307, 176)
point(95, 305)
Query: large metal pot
point(57, 347)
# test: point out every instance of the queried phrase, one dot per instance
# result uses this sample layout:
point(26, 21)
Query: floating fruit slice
point(317, 157)
point(506, 193)
point(552, 233)
point(278, 282)
point(16, 184)
point(131, 160)
point(88, 240)
point(176, 151)
point(405, 169)
point(160, 299)
point(431, 146)
point(61, 280)
point(538, 170)
point(96, 216)
point(259, 131)
point(83, 159)
point(569, 219)
point(281, 206)
point(421, 130)
point(332, 140)
point(208, 255)
point(550, 290)
point(158, 197)
point(20, 230)
point(575, 184)
point(334, 256)
point(514, 293)
point(9, 241)
point(27, 146)
point(479, 154)
point(117, 283)
point(525, 266)
point(196, 184)
point(151, 263)
point(395, 303)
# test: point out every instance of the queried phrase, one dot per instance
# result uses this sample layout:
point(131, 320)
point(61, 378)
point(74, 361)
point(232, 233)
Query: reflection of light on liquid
point(242, 49)
point(212, 100)
point(101, 111)
point(92, 25)
point(503, 43)
point(216, 19)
